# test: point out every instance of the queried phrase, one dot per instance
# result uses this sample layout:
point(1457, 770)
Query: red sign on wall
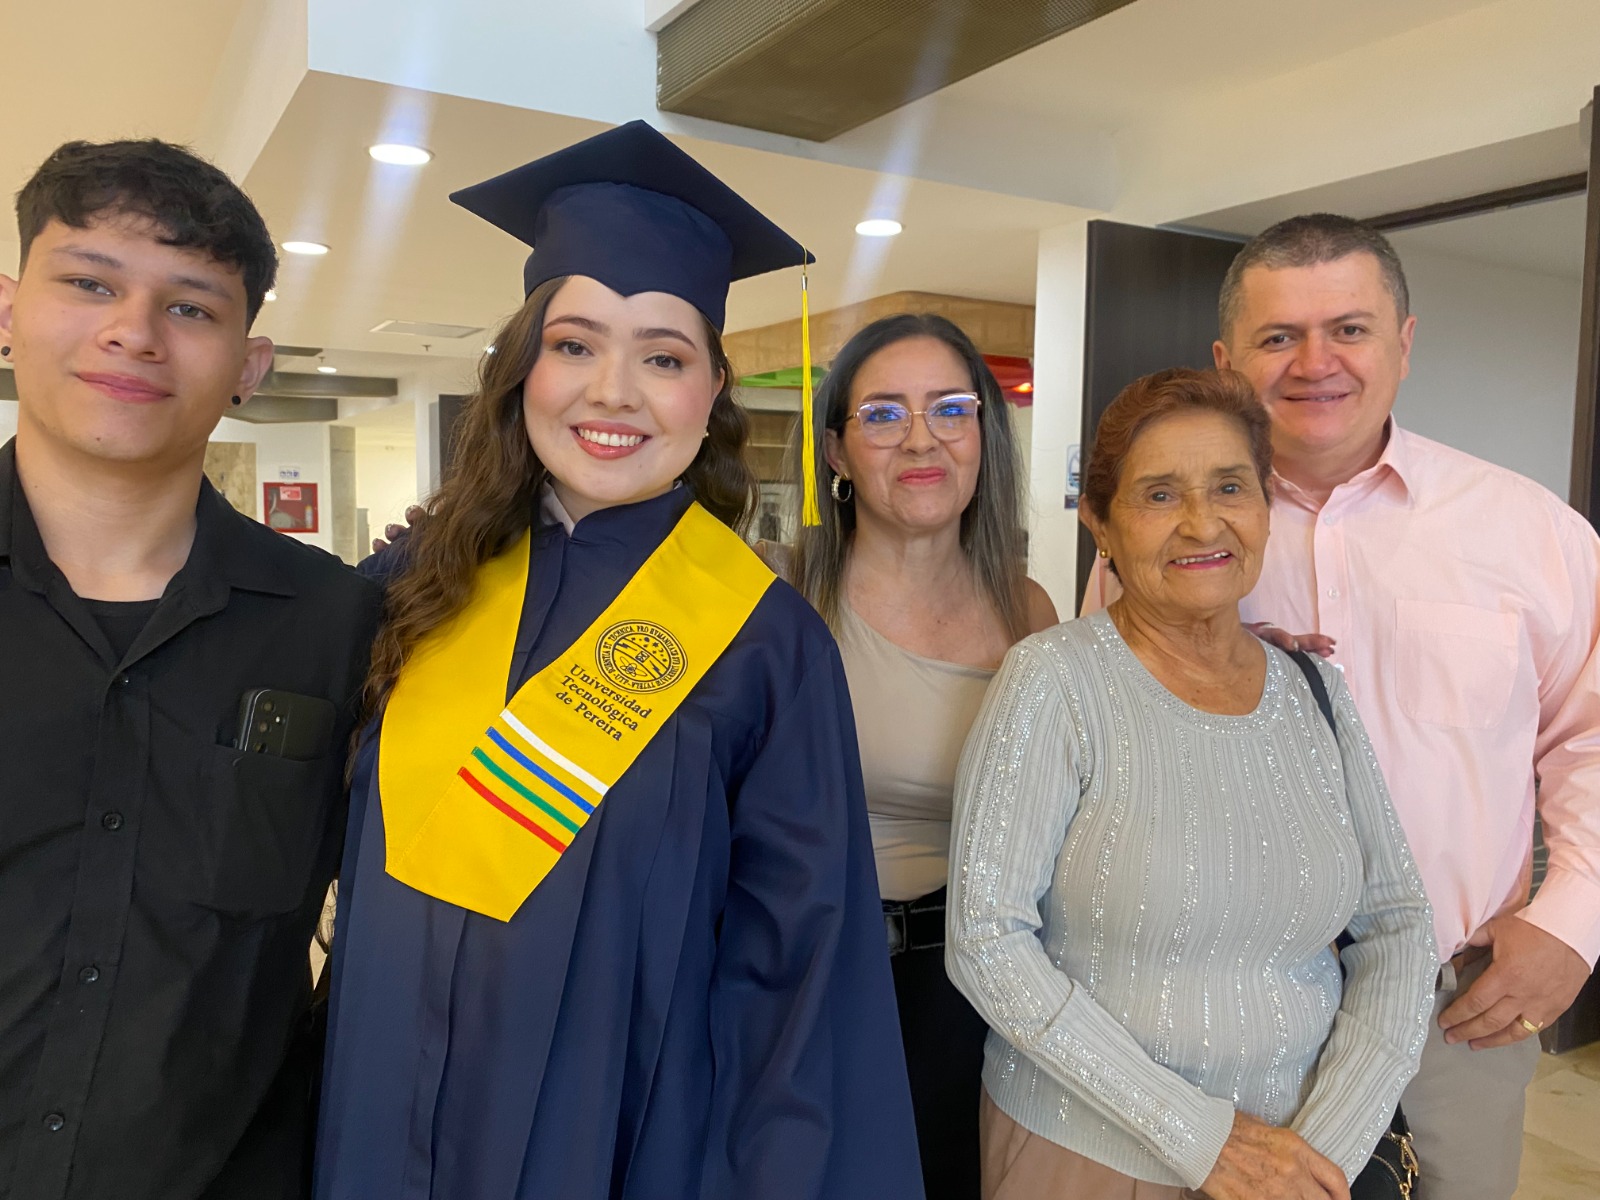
point(291, 507)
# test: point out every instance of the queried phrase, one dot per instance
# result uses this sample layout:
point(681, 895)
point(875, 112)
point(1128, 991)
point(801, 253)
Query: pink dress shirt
point(1466, 604)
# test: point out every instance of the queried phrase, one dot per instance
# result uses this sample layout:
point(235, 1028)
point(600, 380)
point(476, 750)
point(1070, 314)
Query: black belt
point(915, 924)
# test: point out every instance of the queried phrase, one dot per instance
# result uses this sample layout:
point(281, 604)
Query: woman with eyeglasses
point(918, 566)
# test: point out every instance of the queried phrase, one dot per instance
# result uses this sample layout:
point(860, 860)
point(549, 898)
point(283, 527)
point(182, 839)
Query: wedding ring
point(1529, 1025)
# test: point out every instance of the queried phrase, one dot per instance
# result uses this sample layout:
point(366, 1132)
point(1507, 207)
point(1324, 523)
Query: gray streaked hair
point(1307, 241)
point(991, 525)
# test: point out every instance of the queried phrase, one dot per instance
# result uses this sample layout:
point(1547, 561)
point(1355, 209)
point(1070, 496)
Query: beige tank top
point(912, 718)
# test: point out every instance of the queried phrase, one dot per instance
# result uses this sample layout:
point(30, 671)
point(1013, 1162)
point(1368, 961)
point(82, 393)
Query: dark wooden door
point(1151, 304)
point(1581, 1023)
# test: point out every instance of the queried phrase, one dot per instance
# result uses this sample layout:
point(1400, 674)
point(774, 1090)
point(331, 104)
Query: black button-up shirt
point(159, 888)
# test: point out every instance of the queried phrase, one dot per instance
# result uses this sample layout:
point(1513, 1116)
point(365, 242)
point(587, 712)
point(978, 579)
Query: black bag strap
point(1319, 693)
point(1319, 690)
point(1398, 1125)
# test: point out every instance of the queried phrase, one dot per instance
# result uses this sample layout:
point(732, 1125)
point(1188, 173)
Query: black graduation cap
point(630, 209)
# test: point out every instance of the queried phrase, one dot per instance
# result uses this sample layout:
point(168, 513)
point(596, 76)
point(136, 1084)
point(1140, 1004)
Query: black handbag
point(1392, 1171)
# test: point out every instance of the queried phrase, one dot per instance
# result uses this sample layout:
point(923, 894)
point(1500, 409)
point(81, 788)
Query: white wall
point(1495, 365)
point(1057, 409)
point(386, 481)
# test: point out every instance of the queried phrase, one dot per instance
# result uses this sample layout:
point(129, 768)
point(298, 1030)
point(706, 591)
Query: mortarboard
point(631, 210)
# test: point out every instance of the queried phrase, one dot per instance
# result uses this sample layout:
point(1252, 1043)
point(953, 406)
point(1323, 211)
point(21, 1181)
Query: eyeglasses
point(887, 423)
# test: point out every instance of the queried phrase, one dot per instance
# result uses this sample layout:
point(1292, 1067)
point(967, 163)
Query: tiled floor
point(1561, 1135)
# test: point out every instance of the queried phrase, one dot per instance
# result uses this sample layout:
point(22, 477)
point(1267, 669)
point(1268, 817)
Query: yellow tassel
point(810, 513)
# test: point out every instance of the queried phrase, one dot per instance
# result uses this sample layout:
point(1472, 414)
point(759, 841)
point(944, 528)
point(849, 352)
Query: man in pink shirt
point(1463, 603)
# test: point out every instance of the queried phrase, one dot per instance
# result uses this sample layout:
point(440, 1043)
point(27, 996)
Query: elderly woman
point(918, 568)
point(1157, 839)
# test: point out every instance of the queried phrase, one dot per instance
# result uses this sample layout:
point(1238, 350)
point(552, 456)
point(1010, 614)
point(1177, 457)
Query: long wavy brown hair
point(492, 487)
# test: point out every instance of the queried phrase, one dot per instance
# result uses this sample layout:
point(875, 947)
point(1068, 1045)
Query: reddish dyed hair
point(1147, 400)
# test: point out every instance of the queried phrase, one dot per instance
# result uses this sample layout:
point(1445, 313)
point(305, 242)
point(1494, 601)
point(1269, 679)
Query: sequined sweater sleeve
point(1016, 793)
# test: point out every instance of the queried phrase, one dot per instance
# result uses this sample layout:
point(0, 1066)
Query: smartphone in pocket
point(285, 724)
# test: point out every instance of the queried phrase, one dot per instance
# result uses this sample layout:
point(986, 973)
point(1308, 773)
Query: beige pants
point(1019, 1165)
point(1465, 1107)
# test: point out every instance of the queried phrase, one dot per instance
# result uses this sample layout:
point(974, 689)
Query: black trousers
point(943, 1038)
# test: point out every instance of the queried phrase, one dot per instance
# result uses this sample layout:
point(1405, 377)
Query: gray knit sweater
point(1142, 898)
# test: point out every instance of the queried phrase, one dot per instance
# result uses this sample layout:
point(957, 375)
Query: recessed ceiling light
point(400, 155)
point(270, 296)
point(878, 227)
point(328, 370)
point(305, 247)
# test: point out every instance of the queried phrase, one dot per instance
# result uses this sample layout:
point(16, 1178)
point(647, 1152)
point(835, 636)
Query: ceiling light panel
point(432, 329)
point(397, 154)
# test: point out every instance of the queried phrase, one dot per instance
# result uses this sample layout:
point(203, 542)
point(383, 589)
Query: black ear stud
point(237, 402)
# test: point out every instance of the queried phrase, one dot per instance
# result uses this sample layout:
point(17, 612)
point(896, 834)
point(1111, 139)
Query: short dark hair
point(1306, 241)
point(190, 201)
point(1145, 401)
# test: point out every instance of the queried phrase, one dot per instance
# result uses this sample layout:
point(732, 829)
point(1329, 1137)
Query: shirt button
point(89, 975)
point(111, 822)
point(1333, 593)
point(1327, 520)
point(54, 1122)
point(124, 680)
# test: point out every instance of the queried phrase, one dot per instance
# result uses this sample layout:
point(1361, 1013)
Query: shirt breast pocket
point(1455, 664)
point(269, 830)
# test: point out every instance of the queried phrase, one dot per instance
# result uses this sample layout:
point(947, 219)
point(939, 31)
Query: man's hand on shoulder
point(1534, 977)
point(1311, 643)
point(415, 515)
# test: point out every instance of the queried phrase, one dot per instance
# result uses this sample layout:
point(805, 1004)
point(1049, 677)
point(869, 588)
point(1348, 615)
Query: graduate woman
point(609, 925)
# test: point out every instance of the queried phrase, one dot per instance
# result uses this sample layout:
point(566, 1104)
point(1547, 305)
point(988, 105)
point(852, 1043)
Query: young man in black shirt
point(159, 887)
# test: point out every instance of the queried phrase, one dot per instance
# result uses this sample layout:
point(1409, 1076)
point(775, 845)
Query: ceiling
point(1036, 125)
point(1135, 64)
point(402, 251)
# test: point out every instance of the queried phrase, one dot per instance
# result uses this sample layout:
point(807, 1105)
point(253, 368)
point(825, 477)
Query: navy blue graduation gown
point(696, 1002)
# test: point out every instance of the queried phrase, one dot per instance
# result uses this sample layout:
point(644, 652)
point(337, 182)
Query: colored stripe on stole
point(519, 756)
point(524, 791)
point(549, 752)
point(526, 822)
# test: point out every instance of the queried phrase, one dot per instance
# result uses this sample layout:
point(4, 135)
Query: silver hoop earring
point(841, 496)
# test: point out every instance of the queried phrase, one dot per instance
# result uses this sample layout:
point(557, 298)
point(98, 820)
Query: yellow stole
point(481, 798)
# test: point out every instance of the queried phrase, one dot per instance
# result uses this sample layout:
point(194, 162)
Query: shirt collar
point(224, 551)
point(552, 511)
point(620, 522)
point(8, 487)
point(1394, 469)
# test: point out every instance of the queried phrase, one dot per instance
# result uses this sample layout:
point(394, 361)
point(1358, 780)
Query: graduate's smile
point(608, 439)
